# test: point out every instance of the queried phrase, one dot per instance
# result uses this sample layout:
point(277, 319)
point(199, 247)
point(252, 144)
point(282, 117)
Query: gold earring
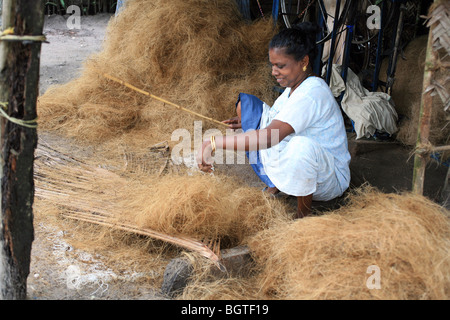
point(304, 68)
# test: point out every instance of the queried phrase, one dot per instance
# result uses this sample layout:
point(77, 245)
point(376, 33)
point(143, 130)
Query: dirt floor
point(59, 271)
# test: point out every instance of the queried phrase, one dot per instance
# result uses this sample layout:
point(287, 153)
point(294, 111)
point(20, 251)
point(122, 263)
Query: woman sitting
point(300, 142)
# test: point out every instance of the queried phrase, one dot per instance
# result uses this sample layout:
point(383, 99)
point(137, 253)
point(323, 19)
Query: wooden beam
point(420, 160)
point(19, 79)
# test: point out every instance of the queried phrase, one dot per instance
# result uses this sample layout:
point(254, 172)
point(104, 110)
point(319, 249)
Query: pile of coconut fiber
point(198, 54)
point(378, 246)
point(407, 95)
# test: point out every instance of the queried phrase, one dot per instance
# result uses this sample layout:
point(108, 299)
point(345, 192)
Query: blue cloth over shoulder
point(251, 112)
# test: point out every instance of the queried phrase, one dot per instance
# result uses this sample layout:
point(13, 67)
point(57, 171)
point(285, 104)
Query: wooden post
point(420, 159)
point(446, 191)
point(19, 79)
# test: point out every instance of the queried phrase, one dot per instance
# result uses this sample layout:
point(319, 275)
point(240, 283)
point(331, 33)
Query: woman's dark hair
point(299, 41)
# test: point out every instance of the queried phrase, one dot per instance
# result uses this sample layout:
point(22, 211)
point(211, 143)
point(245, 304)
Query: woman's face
point(288, 72)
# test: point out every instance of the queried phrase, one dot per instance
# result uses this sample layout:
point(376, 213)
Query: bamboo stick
point(441, 148)
point(162, 100)
point(423, 133)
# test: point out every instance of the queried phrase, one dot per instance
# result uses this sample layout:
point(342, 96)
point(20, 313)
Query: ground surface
point(55, 269)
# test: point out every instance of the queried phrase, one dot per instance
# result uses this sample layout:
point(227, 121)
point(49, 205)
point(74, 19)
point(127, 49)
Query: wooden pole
point(420, 159)
point(19, 79)
point(446, 191)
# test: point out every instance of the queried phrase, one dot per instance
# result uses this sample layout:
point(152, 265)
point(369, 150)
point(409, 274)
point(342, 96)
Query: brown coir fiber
point(327, 257)
point(200, 206)
point(407, 94)
point(198, 54)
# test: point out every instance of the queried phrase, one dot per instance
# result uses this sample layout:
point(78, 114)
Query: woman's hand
point(234, 123)
point(204, 157)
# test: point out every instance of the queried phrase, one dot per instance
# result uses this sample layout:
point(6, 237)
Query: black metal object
point(244, 8)
point(321, 22)
point(275, 10)
point(400, 14)
point(350, 23)
point(376, 74)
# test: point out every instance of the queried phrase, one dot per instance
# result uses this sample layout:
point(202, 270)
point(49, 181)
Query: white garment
point(370, 111)
point(315, 158)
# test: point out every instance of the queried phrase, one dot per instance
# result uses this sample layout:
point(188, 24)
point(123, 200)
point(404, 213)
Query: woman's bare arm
point(248, 141)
